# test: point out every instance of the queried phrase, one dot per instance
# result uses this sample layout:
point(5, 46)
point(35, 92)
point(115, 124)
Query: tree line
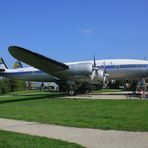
point(9, 85)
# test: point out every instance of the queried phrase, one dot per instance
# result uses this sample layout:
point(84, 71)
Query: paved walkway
point(90, 138)
point(101, 96)
point(107, 95)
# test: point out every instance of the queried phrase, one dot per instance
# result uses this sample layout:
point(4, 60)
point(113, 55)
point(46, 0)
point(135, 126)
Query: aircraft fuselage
point(115, 68)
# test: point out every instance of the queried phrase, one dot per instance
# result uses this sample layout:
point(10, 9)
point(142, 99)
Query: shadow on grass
point(32, 97)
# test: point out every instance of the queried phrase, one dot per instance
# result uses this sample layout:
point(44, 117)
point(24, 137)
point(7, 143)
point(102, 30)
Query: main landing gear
point(72, 92)
point(79, 89)
point(73, 88)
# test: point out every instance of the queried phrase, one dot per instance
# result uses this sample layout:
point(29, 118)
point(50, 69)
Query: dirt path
point(91, 138)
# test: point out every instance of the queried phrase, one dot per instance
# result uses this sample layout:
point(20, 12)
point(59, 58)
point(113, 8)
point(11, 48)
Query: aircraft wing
point(36, 60)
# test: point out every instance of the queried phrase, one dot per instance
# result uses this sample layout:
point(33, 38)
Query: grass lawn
point(15, 140)
point(131, 115)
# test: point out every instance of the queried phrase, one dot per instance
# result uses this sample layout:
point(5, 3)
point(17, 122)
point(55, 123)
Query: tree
point(5, 86)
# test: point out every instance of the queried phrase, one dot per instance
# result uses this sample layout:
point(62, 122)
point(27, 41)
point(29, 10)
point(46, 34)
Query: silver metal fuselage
point(115, 68)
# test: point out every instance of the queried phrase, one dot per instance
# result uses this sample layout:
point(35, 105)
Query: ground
point(118, 113)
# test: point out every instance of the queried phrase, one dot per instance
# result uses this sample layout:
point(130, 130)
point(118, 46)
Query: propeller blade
point(104, 80)
point(94, 61)
point(93, 75)
point(104, 67)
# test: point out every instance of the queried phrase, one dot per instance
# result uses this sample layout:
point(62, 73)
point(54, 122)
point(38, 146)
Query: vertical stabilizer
point(17, 64)
point(3, 66)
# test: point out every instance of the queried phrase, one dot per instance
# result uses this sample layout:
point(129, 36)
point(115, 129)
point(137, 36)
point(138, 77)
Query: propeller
point(99, 72)
point(105, 75)
point(94, 69)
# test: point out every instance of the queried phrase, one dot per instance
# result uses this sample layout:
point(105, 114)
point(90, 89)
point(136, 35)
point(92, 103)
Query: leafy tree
point(17, 85)
point(9, 85)
point(5, 86)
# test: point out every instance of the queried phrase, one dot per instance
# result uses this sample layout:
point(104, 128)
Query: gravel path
point(90, 138)
point(100, 96)
point(107, 95)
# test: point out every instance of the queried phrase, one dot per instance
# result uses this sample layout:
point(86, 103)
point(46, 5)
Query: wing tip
point(15, 50)
point(10, 48)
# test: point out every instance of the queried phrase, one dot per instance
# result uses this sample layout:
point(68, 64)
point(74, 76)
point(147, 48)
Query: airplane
point(73, 75)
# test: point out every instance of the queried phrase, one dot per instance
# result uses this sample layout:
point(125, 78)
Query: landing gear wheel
point(72, 92)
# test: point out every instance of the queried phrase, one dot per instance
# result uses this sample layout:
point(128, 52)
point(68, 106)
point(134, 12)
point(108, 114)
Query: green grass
point(131, 115)
point(15, 140)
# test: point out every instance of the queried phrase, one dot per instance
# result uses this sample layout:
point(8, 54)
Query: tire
point(72, 92)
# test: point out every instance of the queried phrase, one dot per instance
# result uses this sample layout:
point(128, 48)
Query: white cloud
point(87, 31)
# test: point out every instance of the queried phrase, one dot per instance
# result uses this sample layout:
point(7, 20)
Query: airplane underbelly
point(128, 73)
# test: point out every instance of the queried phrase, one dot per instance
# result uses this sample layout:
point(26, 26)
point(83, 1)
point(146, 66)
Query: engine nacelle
point(80, 68)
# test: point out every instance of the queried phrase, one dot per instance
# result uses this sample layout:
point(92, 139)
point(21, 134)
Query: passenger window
point(117, 66)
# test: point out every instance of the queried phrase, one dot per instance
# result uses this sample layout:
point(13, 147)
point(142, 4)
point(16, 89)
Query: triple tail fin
point(3, 66)
point(17, 64)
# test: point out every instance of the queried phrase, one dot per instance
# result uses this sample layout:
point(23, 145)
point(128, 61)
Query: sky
point(75, 30)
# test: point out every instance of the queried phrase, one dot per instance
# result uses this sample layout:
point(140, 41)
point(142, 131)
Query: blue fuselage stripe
point(124, 66)
point(107, 67)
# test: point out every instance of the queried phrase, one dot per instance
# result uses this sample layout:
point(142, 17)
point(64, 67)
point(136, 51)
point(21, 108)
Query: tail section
point(3, 66)
point(17, 64)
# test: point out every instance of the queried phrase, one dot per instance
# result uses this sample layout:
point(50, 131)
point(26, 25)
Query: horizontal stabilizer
point(3, 66)
point(36, 60)
point(17, 64)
